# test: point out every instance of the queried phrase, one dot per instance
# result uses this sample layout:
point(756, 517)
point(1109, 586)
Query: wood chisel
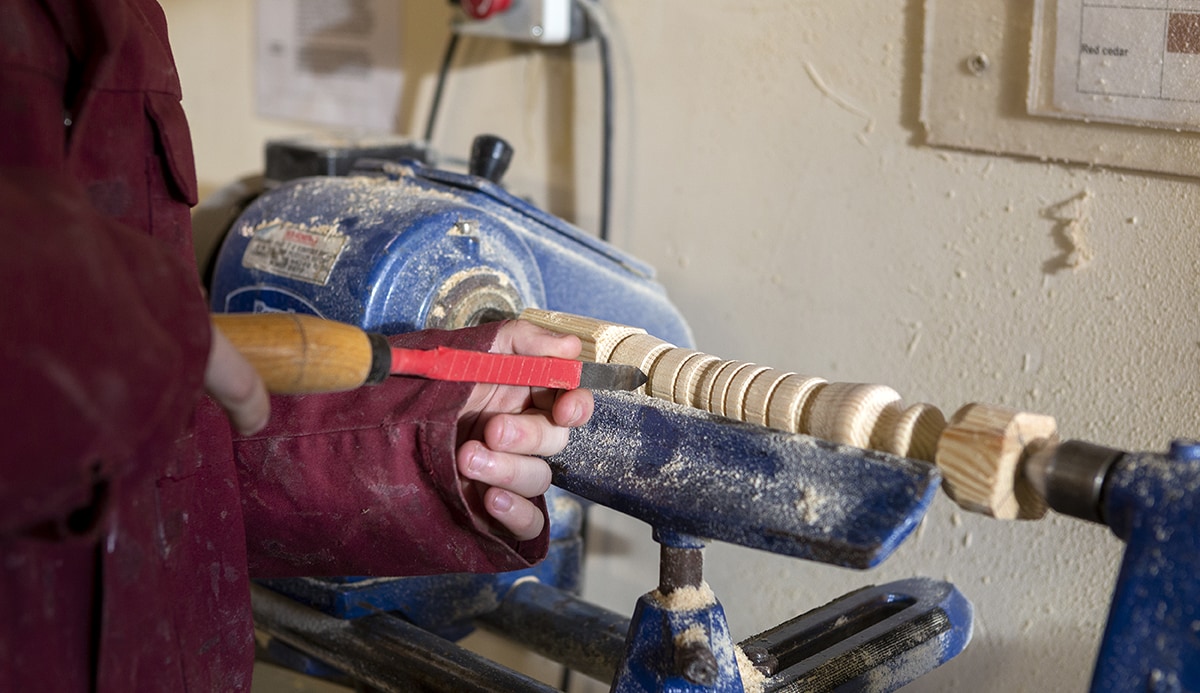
point(298, 354)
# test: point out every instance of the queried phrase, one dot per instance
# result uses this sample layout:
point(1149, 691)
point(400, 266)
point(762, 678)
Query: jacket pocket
point(171, 128)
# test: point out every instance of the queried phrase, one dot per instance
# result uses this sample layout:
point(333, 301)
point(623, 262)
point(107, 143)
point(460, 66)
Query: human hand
point(503, 427)
point(236, 386)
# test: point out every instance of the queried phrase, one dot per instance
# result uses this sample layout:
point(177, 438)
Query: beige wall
point(796, 232)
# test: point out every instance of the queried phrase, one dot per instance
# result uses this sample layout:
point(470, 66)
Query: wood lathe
point(396, 245)
point(720, 450)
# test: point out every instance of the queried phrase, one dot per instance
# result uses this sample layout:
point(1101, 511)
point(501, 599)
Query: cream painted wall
point(796, 232)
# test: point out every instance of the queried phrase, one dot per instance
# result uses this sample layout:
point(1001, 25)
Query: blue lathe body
point(398, 246)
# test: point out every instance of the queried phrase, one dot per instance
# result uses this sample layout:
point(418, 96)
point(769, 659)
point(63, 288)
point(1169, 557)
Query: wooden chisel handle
point(297, 354)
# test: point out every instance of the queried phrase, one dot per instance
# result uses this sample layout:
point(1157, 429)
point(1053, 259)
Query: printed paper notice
point(330, 62)
point(1125, 61)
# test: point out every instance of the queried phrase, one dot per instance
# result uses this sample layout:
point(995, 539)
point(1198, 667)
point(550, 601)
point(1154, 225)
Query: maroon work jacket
point(130, 518)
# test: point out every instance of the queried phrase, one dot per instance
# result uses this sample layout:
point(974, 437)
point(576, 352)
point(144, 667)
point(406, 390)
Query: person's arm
point(103, 340)
point(367, 482)
point(103, 336)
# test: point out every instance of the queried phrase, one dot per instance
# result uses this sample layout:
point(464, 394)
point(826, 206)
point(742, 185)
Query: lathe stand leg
point(680, 567)
point(678, 638)
point(683, 567)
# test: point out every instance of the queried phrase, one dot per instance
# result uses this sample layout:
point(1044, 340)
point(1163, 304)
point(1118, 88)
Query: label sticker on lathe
point(290, 250)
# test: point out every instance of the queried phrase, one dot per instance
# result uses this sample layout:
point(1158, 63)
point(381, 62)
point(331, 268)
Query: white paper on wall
point(329, 62)
point(1134, 62)
point(981, 92)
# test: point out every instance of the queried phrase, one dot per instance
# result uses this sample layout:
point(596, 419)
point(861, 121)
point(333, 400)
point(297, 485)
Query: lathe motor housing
point(399, 246)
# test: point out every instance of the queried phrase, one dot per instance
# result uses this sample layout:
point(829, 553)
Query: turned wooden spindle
point(599, 337)
point(979, 451)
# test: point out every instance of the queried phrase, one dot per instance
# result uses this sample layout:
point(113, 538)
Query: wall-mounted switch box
point(546, 22)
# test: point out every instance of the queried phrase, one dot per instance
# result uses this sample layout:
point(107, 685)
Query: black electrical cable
point(607, 133)
point(447, 61)
point(598, 27)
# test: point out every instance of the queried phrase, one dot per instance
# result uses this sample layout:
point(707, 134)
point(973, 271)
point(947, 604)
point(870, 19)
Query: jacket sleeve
point(103, 335)
point(365, 483)
point(102, 344)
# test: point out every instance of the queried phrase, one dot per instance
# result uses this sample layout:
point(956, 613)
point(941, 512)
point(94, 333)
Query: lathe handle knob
point(490, 157)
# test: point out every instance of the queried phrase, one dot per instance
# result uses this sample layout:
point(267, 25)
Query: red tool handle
point(444, 363)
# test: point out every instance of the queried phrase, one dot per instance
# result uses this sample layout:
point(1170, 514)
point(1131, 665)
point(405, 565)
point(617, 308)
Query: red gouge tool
point(297, 354)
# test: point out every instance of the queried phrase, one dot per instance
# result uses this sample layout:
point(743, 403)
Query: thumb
point(236, 386)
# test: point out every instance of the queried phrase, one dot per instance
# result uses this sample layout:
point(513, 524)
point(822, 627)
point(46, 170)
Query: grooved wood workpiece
point(884, 435)
point(916, 432)
point(641, 350)
point(788, 406)
point(847, 412)
point(721, 383)
point(691, 374)
point(739, 388)
point(665, 371)
point(979, 452)
point(599, 337)
point(702, 393)
point(754, 409)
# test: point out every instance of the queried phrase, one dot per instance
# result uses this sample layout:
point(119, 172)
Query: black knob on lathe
point(490, 157)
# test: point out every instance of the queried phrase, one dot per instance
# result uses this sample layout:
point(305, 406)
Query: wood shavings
point(915, 327)
point(841, 101)
point(687, 598)
point(753, 680)
point(1072, 222)
point(695, 634)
